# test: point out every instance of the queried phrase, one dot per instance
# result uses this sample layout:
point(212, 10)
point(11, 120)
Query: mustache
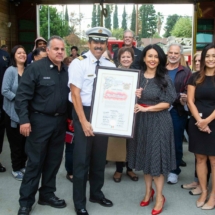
point(98, 48)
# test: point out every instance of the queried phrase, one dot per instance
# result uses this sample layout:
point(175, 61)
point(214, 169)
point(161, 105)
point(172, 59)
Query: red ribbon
point(144, 105)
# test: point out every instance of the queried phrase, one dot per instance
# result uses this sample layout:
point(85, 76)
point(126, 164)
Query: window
point(205, 32)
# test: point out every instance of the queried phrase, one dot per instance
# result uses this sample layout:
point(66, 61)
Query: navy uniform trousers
point(89, 156)
point(44, 148)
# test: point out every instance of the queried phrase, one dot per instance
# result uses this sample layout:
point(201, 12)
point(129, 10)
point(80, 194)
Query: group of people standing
point(35, 104)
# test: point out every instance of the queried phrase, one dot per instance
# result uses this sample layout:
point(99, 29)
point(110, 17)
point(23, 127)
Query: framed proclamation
point(113, 101)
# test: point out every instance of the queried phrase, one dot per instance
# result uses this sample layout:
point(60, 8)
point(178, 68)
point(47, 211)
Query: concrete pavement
point(125, 195)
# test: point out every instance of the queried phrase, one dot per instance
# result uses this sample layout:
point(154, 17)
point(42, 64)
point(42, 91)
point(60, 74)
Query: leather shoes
point(103, 202)
point(24, 211)
point(183, 164)
point(2, 168)
point(81, 212)
point(52, 201)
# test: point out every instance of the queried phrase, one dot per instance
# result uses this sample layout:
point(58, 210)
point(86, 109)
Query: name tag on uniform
point(46, 77)
point(90, 75)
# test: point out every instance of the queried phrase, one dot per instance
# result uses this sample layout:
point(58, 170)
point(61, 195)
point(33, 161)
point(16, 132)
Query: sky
point(165, 9)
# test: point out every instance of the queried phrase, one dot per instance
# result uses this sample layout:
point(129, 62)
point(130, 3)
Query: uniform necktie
point(97, 63)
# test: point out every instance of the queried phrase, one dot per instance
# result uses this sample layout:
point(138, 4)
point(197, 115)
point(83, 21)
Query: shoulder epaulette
point(82, 57)
point(109, 60)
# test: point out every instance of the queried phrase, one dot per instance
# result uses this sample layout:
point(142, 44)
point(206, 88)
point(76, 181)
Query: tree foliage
point(182, 28)
point(94, 21)
point(108, 18)
point(75, 20)
point(66, 15)
point(133, 20)
point(160, 19)
point(58, 26)
point(170, 22)
point(98, 15)
point(118, 33)
point(115, 18)
point(124, 20)
point(74, 40)
point(156, 35)
point(148, 20)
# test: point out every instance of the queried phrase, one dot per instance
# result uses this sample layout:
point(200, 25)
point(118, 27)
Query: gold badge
point(4, 58)
point(100, 31)
point(126, 86)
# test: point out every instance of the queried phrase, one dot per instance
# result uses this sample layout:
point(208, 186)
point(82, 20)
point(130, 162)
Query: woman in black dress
point(201, 102)
point(152, 149)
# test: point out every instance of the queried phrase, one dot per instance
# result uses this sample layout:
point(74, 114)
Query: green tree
point(94, 21)
point(98, 15)
point(118, 33)
point(133, 20)
point(170, 22)
point(66, 15)
point(108, 18)
point(156, 35)
point(124, 20)
point(58, 26)
point(182, 28)
point(75, 20)
point(115, 18)
point(160, 19)
point(148, 20)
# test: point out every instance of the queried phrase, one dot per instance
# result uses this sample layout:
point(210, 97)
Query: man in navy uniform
point(41, 104)
point(90, 149)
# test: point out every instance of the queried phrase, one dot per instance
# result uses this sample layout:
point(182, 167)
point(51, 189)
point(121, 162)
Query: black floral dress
point(152, 149)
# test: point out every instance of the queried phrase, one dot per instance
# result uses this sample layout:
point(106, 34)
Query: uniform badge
point(100, 31)
point(82, 57)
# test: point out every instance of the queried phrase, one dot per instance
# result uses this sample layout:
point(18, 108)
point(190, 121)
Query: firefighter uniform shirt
point(82, 75)
point(42, 89)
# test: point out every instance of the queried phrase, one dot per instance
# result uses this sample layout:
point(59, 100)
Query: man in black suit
point(128, 38)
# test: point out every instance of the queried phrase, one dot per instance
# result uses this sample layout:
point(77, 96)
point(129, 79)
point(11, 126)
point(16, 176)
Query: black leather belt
point(54, 114)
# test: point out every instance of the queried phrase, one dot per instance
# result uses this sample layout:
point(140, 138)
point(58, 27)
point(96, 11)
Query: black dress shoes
point(24, 211)
point(2, 168)
point(103, 202)
point(81, 212)
point(52, 201)
point(183, 164)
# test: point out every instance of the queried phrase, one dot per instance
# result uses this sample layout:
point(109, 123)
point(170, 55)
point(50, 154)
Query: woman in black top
point(201, 102)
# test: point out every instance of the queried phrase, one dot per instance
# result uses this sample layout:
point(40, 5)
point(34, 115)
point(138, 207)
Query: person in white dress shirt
point(90, 149)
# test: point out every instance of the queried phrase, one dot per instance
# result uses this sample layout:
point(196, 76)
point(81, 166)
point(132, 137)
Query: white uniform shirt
point(82, 74)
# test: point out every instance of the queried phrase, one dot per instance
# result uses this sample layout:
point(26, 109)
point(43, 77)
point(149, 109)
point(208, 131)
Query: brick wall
point(8, 14)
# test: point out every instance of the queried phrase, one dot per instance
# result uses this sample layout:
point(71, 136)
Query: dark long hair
point(161, 70)
point(12, 55)
point(201, 76)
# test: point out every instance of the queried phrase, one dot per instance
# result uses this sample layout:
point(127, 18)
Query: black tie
point(97, 63)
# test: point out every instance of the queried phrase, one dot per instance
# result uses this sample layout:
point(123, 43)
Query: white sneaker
point(18, 175)
point(172, 178)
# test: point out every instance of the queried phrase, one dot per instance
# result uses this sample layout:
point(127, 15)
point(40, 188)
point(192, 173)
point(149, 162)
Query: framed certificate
point(113, 101)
